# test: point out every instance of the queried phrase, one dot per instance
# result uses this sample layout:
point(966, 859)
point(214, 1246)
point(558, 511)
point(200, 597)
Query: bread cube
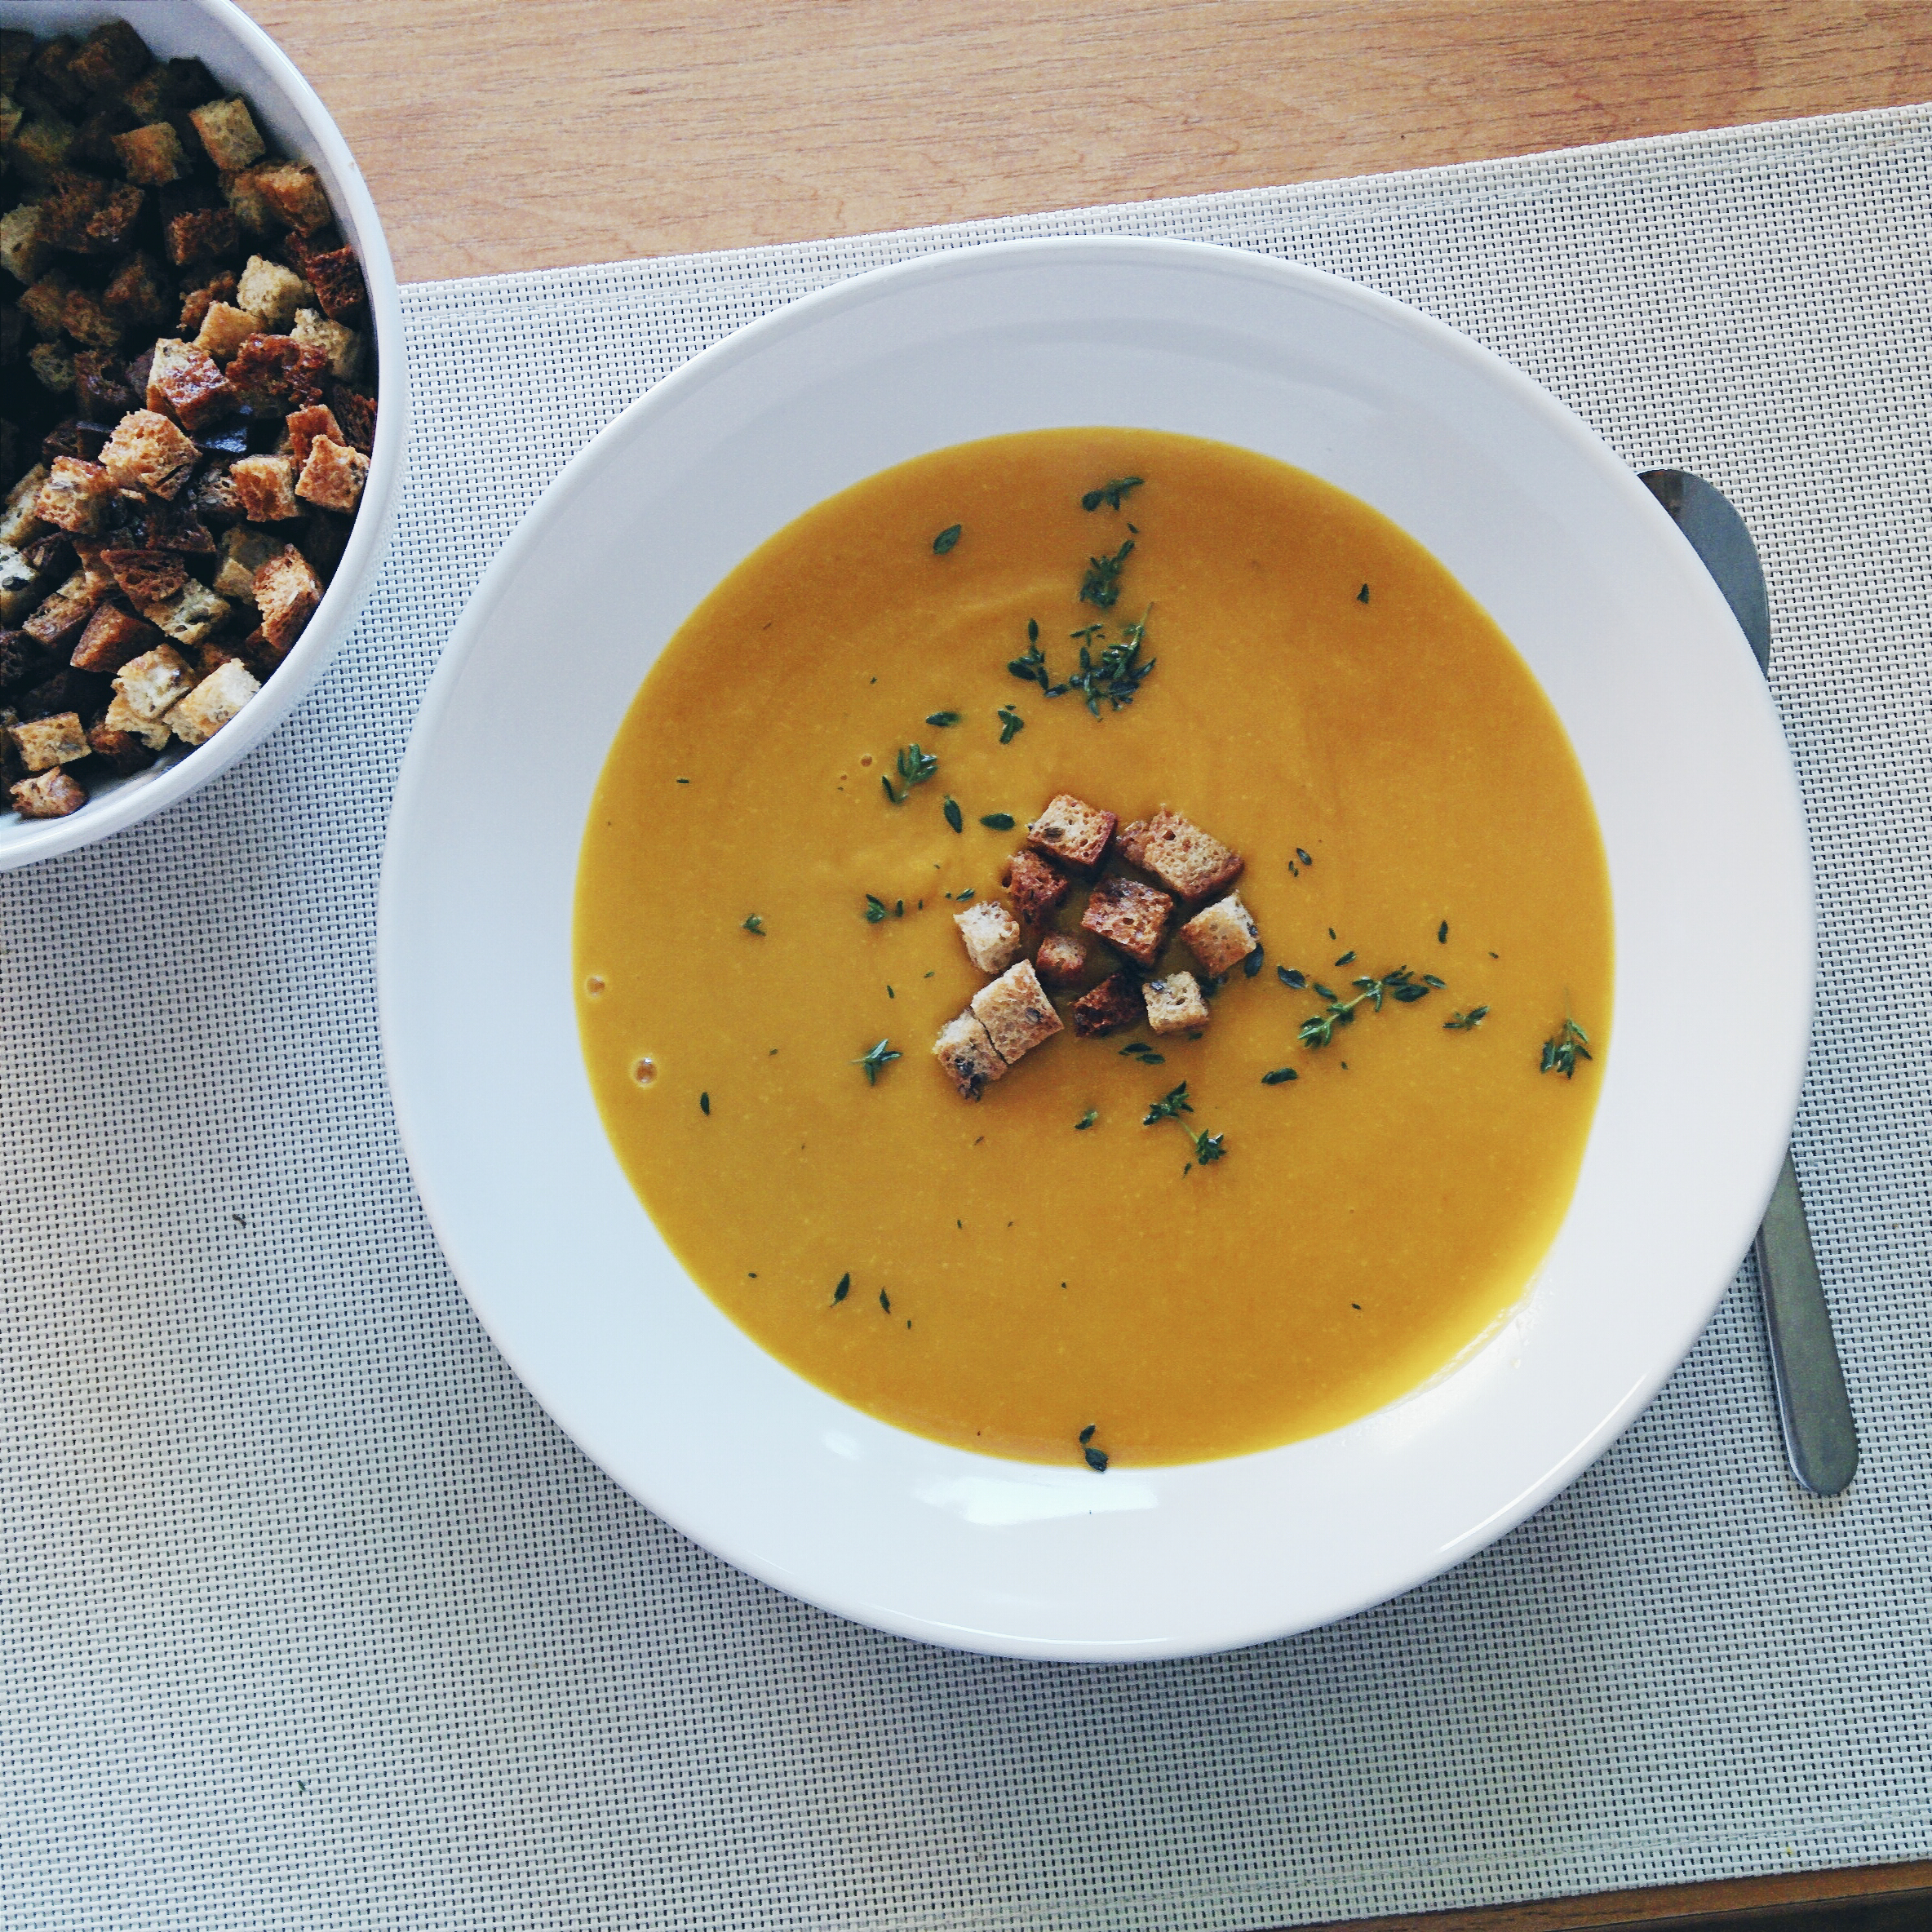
point(1115, 1004)
point(45, 742)
point(152, 156)
point(146, 576)
point(122, 752)
point(189, 615)
point(294, 191)
point(187, 383)
point(228, 132)
point(112, 636)
point(53, 794)
point(333, 476)
point(357, 413)
point(201, 235)
point(46, 302)
point(1175, 1005)
point(224, 330)
point(1182, 856)
point(303, 428)
point(1015, 1012)
point(286, 592)
point(1131, 917)
point(1074, 832)
point(277, 373)
point(340, 347)
point(20, 523)
point(1060, 958)
point(41, 145)
point(23, 246)
point(149, 684)
point(965, 1050)
point(112, 55)
point(246, 202)
point(52, 367)
point(336, 276)
point(270, 293)
point(75, 496)
point(212, 702)
point(243, 552)
point(20, 584)
point(1222, 936)
point(148, 452)
point(1038, 889)
point(135, 292)
point(992, 935)
point(266, 485)
point(122, 718)
point(60, 620)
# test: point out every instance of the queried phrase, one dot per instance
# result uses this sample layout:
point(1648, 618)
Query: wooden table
point(505, 136)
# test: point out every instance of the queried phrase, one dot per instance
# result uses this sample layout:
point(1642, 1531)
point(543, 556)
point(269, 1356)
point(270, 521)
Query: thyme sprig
point(1398, 984)
point(914, 766)
point(1170, 1106)
point(1461, 1023)
point(1116, 674)
point(1011, 724)
point(876, 1060)
point(1110, 493)
point(1100, 587)
point(1561, 1052)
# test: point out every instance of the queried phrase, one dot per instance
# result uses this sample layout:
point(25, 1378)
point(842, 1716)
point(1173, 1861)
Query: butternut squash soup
point(1284, 1033)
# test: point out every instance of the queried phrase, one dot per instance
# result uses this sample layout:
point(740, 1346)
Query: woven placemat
point(309, 1617)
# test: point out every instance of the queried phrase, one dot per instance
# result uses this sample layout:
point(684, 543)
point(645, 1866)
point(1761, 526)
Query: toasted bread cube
point(53, 794)
point(303, 426)
point(333, 476)
point(90, 322)
point(135, 293)
point(1076, 833)
point(24, 245)
point(357, 413)
point(1060, 958)
point(20, 584)
point(148, 452)
point(340, 347)
point(294, 191)
point(277, 373)
point(19, 524)
point(1182, 856)
point(1115, 1004)
point(266, 485)
point(41, 145)
point(189, 615)
point(44, 304)
point(340, 292)
point(75, 496)
point(1222, 936)
point(228, 132)
point(992, 935)
point(60, 620)
point(152, 156)
point(1038, 890)
point(201, 235)
point(323, 539)
point(270, 293)
point(122, 752)
point(112, 55)
point(112, 636)
point(146, 576)
point(1175, 1005)
point(243, 552)
point(251, 209)
point(48, 742)
point(214, 498)
point(1131, 917)
point(122, 716)
point(212, 702)
point(965, 1050)
point(224, 330)
point(286, 592)
point(1015, 1012)
point(188, 384)
point(151, 682)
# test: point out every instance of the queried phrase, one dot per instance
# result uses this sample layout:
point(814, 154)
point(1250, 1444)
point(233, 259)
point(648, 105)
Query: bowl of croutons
point(200, 445)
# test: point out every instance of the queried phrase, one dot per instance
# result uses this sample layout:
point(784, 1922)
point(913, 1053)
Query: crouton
point(189, 615)
point(41, 145)
point(1015, 1012)
point(336, 276)
point(266, 485)
point(44, 304)
point(20, 584)
point(219, 287)
point(135, 293)
point(20, 523)
point(295, 194)
point(286, 592)
point(277, 373)
point(992, 935)
point(48, 742)
point(149, 684)
point(357, 413)
point(123, 752)
point(75, 496)
point(333, 476)
point(303, 428)
point(1061, 959)
point(24, 245)
point(90, 322)
point(1039, 891)
point(1115, 1004)
point(146, 576)
point(153, 155)
point(60, 620)
point(111, 56)
point(323, 539)
point(1175, 1005)
point(94, 222)
point(148, 452)
point(243, 191)
point(270, 293)
point(243, 552)
point(212, 702)
point(186, 383)
point(53, 794)
point(224, 330)
point(101, 390)
point(1182, 856)
point(122, 718)
point(201, 235)
point(113, 635)
point(1131, 917)
point(1074, 833)
point(213, 495)
point(965, 1050)
point(228, 132)
point(1221, 937)
point(339, 347)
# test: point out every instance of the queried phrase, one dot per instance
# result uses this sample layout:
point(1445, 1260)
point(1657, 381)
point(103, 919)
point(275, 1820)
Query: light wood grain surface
point(505, 136)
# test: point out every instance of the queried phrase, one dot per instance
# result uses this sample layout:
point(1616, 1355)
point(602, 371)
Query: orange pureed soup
point(1041, 1274)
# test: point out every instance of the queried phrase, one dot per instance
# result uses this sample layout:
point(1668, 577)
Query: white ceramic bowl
point(1568, 551)
point(243, 58)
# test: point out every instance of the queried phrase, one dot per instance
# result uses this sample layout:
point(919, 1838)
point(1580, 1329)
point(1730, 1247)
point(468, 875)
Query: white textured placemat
point(310, 1618)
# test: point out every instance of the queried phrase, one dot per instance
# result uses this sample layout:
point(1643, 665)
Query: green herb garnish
point(886, 1301)
point(1466, 1022)
point(1031, 668)
point(1443, 933)
point(1086, 1120)
point(1398, 985)
point(1289, 977)
point(1348, 958)
point(1117, 673)
point(1562, 1053)
point(1110, 493)
point(874, 1062)
point(1362, 594)
point(1252, 963)
point(1303, 857)
point(1279, 1074)
point(1170, 1106)
point(704, 1104)
point(914, 766)
point(943, 719)
point(951, 808)
point(875, 909)
point(754, 923)
point(1011, 724)
point(843, 1289)
point(998, 822)
point(1100, 587)
point(946, 538)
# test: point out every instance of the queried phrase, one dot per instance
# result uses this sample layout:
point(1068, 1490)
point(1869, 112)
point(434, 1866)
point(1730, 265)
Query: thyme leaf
point(951, 808)
point(1100, 587)
point(1467, 1022)
point(755, 923)
point(942, 718)
point(946, 538)
point(1086, 1120)
point(1011, 724)
point(843, 1289)
point(1279, 1074)
point(875, 1060)
point(1562, 1051)
point(998, 822)
point(1110, 493)
point(875, 909)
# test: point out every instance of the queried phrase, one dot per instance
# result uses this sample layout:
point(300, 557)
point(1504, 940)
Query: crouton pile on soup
point(186, 409)
point(1093, 947)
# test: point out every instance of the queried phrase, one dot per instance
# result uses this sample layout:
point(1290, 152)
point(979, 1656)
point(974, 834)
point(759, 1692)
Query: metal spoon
point(1820, 1439)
